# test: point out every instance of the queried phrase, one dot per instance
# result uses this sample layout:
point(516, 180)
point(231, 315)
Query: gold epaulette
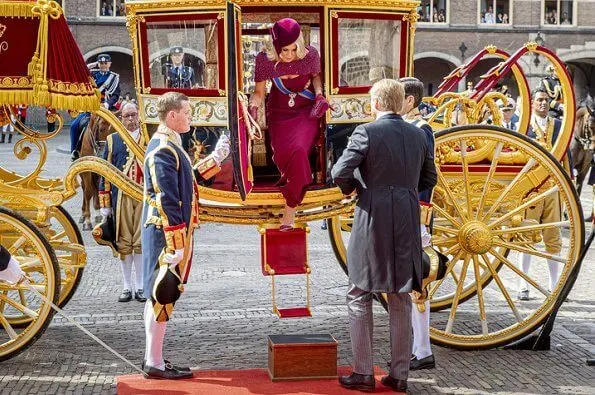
point(175, 236)
point(207, 167)
point(105, 199)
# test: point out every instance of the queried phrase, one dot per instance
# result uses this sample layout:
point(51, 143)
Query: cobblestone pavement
point(224, 317)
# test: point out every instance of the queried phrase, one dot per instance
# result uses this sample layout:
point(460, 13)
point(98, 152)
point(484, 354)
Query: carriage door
point(238, 105)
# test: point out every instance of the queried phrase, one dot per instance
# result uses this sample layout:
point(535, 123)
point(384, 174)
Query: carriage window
point(255, 36)
point(183, 54)
point(368, 50)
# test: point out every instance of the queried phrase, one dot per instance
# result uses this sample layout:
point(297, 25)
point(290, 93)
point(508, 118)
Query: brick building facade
point(449, 32)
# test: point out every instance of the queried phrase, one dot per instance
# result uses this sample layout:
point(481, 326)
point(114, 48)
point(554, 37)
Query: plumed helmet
point(285, 32)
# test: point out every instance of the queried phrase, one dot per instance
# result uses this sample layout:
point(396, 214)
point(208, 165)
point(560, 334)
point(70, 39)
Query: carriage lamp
point(539, 41)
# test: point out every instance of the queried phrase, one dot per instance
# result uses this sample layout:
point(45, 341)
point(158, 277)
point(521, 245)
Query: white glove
point(106, 105)
point(175, 258)
point(221, 150)
point(561, 107)
point(426, 238)
point(13, 272)
point(105, 211)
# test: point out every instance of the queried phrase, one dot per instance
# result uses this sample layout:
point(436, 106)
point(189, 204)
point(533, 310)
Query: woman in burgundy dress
point(294, 108)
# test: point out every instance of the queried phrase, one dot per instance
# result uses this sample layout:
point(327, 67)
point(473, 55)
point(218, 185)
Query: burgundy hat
point(285, 32)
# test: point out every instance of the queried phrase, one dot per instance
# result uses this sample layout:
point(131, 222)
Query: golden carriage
point(488, 176)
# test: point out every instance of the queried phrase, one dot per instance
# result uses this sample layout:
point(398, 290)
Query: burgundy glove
point(321, 106)
point(253, 111)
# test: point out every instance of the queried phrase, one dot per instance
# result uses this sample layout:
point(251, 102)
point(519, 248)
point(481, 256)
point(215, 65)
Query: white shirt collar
point(540, 121)
point(135, 134)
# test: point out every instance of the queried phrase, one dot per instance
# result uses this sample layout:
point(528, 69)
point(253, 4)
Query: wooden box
point(302, 357)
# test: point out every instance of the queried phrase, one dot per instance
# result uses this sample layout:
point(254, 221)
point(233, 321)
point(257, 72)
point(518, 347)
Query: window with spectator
point(433, 11)
point(558, 12)
point(495, 12)
point(111, 8)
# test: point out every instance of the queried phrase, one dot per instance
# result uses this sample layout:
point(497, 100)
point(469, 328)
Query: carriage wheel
point(37, 259)
point(484, 235)
point(482, 214)
point(67, 241)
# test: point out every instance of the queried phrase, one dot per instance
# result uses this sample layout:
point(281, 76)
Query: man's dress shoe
point(395, 384)
point(169, 373)
point(358, 382)
point(425, 363)
point(180, 368)
point(140, 296)
point(126, 296)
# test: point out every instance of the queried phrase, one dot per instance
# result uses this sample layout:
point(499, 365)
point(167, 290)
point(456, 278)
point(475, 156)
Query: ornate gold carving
point(491, 49)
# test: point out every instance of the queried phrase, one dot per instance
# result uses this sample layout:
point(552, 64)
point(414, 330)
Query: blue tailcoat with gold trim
point(118, 154)
point(170, 207)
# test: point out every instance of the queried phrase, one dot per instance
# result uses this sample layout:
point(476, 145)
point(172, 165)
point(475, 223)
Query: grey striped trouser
point(361, 328)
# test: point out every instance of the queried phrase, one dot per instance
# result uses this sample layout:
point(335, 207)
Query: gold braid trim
point(17, 9)
point(56, 100)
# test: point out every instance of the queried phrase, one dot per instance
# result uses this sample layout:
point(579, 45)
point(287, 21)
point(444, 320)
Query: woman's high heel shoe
point(286, 228)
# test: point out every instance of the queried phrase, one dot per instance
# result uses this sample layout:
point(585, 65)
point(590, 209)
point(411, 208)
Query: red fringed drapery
point(40, 62)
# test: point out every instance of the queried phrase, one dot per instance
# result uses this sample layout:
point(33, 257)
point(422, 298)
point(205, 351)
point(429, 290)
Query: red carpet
point(232, 382)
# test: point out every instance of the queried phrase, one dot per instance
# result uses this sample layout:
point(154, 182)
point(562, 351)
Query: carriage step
point(285, 253)
point(294, 312)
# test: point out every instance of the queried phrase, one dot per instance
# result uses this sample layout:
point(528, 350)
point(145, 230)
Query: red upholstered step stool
point(285, 253)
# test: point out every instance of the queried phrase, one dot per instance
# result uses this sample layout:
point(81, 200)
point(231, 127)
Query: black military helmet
point(104, 233)
point(104, 58)
point(176, 50)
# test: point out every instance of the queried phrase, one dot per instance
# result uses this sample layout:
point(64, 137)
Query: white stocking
point(154, 335)
point(138, 271)
point(554, 267)
point(421, 331)
point(525, 265)
point(126, 264)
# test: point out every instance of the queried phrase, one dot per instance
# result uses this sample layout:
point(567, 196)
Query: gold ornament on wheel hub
point(475, 237)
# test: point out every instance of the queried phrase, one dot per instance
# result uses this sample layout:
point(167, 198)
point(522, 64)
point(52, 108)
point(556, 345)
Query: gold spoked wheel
point(67, 241)
point(504, 224)
point(483, 221)
point(37, 259)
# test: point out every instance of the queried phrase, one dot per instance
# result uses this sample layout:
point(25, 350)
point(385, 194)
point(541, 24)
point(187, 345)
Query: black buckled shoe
point(357, 381)
point(125, 296)
point(428, 362)
point(75, 155)
point(395, 384)
point(180, 368)
point(169, 373)
point(140, 296)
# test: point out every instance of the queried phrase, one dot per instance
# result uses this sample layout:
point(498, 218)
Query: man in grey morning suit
point(387, 162)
